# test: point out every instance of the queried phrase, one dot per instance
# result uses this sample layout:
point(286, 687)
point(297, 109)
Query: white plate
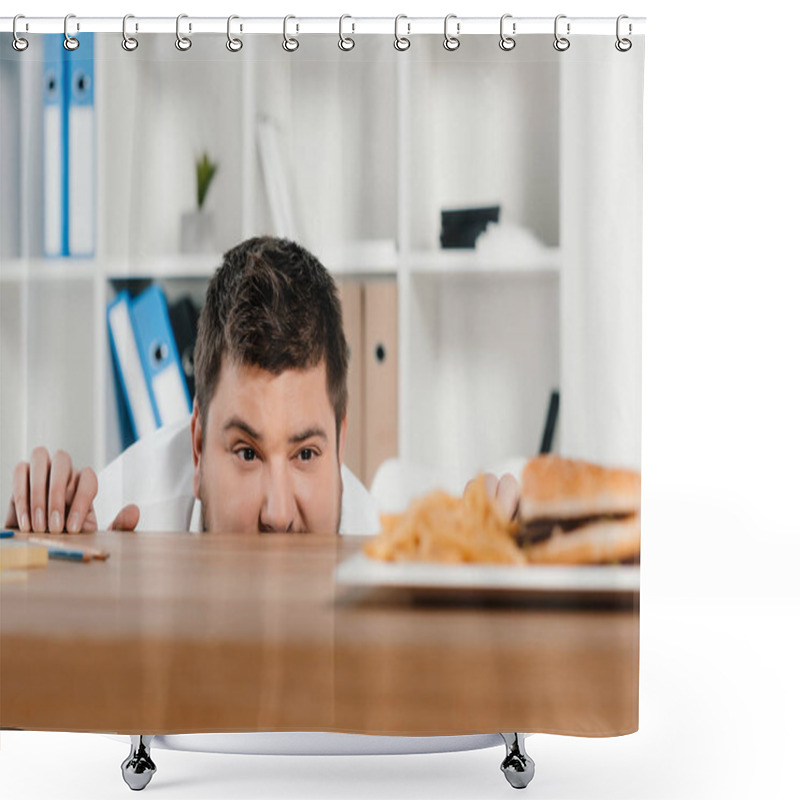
point(361, 570)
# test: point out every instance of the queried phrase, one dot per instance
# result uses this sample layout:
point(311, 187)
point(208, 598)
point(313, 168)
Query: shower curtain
point(477, 211)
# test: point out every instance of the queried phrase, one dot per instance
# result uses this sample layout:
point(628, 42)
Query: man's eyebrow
point(237, 422)
point(307, 434)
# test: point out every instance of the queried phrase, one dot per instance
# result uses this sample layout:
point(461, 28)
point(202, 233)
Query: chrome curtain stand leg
point(138, 768)
point(517, 766)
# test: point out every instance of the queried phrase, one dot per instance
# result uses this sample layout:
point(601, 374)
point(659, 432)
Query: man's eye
point(306, 454)
point(247, 450)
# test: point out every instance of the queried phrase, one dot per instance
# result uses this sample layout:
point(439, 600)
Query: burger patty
point(540, 530)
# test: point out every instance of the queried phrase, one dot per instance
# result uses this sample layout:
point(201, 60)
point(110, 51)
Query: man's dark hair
point(271, 304)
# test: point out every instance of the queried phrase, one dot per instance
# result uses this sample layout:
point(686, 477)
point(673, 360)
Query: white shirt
point(156, 473)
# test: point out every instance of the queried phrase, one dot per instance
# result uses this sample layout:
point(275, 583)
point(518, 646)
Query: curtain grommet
point(451, 43)
point(183, 43)
point(346, 43)
point(507, 42)
point(290, 44)
point(561, 43)
point(401, 43)
point(623, 44)
point(233, 44)
point(70, 42)
point(129, 43)
point(18, 43)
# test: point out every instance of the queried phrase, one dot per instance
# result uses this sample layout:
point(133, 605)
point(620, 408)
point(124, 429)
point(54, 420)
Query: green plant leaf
point(206, 170)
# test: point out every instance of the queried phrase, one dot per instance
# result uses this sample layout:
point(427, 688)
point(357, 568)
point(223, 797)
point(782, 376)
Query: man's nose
point(278, 509)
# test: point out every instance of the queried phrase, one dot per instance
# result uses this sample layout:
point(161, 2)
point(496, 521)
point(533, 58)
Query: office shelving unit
point(375, 154)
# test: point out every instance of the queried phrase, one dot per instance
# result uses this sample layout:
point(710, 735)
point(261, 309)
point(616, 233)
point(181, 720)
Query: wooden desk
point(182, 632)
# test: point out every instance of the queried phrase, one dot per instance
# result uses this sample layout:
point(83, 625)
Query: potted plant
point(197, 226)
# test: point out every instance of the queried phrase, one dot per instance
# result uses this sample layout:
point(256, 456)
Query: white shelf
point(367, 257)
point(377, 257)
point(60, 269)
point(163, 266)
point(464, 261)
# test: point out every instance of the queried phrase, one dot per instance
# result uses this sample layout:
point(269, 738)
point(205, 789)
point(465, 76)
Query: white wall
point(485, 350)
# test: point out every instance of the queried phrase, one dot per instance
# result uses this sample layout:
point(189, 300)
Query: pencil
point(68, 555)
point(92, 552)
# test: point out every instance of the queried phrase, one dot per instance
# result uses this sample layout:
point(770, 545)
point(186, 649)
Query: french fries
point(442, 528)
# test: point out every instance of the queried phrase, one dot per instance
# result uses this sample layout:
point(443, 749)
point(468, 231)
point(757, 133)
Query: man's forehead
point(236, 423)
point(286, 404)
point(236, 369)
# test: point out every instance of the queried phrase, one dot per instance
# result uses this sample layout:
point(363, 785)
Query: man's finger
point(72, 487)
point(60, 471)
point(84, 496)
point(90, 523)
point(39, 475)
point(11, 514)
point(491, 484)
point(20, 492)
point(127, 519)
point(508, 495)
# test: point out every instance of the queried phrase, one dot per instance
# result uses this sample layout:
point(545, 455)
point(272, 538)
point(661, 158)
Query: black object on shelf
point(550, 423)
point(183, 316)
point(134, 286)
point(461, 227)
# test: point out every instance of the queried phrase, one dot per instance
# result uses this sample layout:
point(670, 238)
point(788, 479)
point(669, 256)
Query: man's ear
point(197, 446)
point(342, 437)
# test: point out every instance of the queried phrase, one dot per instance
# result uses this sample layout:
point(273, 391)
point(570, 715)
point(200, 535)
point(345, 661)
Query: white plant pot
point(197, 232)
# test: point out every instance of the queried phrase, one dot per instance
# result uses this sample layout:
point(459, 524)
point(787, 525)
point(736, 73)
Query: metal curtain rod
point(408, 25)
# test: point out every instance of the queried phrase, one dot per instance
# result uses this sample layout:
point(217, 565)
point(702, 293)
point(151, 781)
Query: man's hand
point(52, 496)
point(504, 490)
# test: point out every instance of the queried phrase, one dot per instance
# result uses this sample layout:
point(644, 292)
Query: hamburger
point(577, 512)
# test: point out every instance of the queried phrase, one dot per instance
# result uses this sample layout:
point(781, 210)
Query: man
point(267, 431)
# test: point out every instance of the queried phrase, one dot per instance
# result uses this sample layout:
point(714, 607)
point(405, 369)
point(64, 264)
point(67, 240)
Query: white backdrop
point(721, 540)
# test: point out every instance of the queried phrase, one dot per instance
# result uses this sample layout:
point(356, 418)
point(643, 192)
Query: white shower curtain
point(477, 213)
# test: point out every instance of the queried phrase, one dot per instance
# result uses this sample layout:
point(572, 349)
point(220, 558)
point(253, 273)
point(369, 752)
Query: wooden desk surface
point(182, 632)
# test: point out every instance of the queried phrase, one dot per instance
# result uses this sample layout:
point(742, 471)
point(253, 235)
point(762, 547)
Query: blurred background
point(480, 210)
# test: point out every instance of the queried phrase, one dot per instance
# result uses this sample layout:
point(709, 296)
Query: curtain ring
point(290, 44)
point(183, 43)
point(507, 42)
point(401, 42)
point(18, 43)
point(623, 45)
point(561, 43)
point(233, 44)
point(129, 43)
point(451, 42)
point(70, 42)
point(346, 42)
